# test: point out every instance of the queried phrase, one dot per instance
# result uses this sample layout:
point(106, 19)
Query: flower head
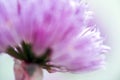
point(58, 35)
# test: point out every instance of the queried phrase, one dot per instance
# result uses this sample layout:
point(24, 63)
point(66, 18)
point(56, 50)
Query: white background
point(109, 14)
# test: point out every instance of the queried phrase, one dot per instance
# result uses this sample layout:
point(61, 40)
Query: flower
point(58, 35)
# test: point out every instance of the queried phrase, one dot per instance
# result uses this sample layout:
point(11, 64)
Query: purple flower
point(58, 35)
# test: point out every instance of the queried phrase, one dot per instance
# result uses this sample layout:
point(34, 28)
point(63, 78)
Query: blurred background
point(108, 12)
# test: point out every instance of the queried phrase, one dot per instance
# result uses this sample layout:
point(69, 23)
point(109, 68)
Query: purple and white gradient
point(64, 26)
